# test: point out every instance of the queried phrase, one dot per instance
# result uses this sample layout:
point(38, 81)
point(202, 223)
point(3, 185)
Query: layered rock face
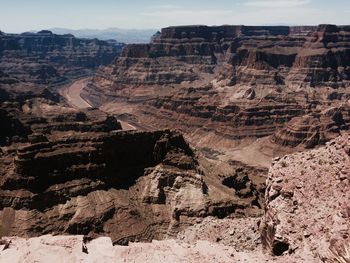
point(102, 183)
point(64, 170)
point(67, 170)
point(307, 204)
point(27, 112)
point(46, 58)
point(237, 81)
point(324, 59)
point(315, 128)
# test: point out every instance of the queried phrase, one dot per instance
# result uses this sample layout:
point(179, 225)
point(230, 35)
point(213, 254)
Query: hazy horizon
point(21, 16)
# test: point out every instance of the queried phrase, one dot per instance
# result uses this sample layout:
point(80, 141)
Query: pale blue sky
point(25, 15)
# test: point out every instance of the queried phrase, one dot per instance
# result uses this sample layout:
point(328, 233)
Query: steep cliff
point(235, 81)
point(98, 183)
point(65, 170)
point(46, 58)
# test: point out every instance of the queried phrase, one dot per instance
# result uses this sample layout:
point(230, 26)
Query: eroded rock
point(306, 204)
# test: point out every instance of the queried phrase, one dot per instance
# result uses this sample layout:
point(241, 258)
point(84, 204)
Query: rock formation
point(236, 81)
point(73, 171)
point(240, 94)
point(46, 58)
point(65, 170)
point(314, 128)
point(67, 179)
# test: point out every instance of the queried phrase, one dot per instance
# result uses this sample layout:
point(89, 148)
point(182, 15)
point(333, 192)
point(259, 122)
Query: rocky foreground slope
point(234, 82)
point(53, 249)
point(307, 208)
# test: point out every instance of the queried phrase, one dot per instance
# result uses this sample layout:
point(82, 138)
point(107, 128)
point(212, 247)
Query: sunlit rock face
point(236, 81)
point(47, 58)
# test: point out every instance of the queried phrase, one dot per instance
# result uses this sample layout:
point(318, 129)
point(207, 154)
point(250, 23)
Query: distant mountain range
point(121, 35)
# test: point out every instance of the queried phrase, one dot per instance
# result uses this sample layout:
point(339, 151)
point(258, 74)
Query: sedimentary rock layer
point(46, 58)
point(238, 81)
point(94, 183)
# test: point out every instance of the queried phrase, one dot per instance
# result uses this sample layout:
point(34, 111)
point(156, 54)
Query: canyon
point(304, 221)
point(226, 143)
point(234, 82)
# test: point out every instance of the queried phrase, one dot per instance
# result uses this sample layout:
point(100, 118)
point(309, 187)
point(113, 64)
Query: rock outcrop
point(93, 183)
point(307, 204)
point(314, 129)
point(24, 120)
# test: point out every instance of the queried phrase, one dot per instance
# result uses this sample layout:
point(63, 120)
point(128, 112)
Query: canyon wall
point(67, 170)
point(236, 81)
point(47, 58)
